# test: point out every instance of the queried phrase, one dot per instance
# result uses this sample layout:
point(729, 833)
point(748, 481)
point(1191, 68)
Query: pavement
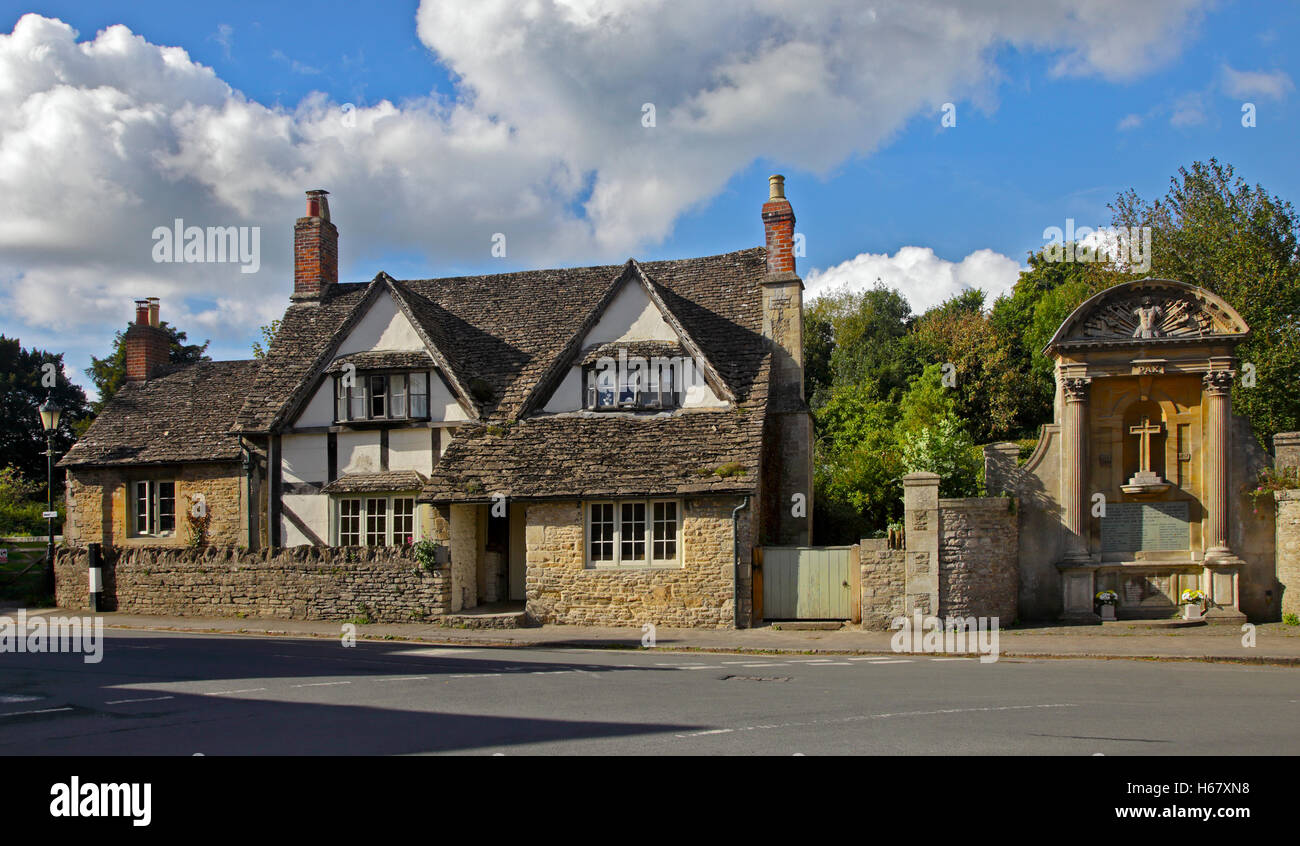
point(1266, 643)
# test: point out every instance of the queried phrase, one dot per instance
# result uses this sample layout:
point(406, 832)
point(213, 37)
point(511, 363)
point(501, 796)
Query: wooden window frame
point(647, 560)
point(153, 500)
point(643, 400)
point(390, 500)
point(360, 394)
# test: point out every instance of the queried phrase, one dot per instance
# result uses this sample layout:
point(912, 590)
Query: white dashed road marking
point(148, 699)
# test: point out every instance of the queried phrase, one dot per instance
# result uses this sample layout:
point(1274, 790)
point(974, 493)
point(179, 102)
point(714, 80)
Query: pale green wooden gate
point(807, 583)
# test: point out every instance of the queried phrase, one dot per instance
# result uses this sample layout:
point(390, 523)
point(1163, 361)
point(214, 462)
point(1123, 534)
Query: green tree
point(865, 330)
point(986, 385)
point(1214, 230)
point(109, 373)
point(24, 377)
point(818, 346)
point(268, 335)
point(1024, 320)
point(856, 478)
point(931, 438)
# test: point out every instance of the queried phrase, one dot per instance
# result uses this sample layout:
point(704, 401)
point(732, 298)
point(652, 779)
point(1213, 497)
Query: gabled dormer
point(631, 356)
point(383, 369)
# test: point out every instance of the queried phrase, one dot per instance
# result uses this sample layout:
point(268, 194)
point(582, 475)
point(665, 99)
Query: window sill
point(393, 423)
point(619, 568)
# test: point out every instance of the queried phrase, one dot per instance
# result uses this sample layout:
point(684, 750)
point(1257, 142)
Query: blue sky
point(486, 119)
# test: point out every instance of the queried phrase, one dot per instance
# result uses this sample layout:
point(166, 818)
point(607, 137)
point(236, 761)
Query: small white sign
point(45, 515)
point(96, 580)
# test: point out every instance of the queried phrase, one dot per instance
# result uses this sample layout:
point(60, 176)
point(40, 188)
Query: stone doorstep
point(481, 620)
point(808, 626)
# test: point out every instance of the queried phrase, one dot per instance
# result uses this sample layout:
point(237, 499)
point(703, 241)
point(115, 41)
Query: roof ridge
point(578, 267)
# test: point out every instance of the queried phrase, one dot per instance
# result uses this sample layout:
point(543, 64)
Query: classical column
point(1218, 391)
point(1074, 496)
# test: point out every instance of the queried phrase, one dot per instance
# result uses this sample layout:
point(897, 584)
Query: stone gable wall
point(562, 589)
point(298, 583)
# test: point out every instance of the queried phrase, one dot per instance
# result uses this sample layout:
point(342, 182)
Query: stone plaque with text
point(1154, 526)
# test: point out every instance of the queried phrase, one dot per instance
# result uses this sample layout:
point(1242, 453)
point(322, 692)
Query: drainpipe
point(735, 550)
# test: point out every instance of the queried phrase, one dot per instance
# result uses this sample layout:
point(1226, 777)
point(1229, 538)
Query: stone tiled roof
point(381, 360)
point(510, 331)
point(640, 349)
point(182, 414)
point(397, 480)
point(593, 454)
point(308, 333)
point(505, 340)
point(501, 334)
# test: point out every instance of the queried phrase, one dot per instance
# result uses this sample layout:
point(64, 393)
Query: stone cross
point(1145, 431)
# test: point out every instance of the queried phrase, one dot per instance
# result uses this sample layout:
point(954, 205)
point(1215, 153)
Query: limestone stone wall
point(978, 551)
point(383, 584)
point(884, 582)
point(699, 593)
point(1288, 549)
point(99, 504)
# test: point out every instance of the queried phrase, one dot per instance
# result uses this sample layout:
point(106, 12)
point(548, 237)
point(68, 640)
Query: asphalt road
point(175, 694)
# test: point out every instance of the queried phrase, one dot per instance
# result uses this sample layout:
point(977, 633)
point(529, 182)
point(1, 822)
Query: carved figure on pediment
point(1148, 316)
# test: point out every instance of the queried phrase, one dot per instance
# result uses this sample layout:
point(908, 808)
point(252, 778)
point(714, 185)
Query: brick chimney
point(778, 222)
point(315, 251)
point(789, 475)
point(148, 345)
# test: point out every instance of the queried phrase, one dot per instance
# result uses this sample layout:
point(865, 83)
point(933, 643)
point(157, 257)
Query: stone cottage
point(601, 445)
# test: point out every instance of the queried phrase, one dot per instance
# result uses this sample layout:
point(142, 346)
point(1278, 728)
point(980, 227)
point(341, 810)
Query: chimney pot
point(776, 187)
point(148, 346)
point(317, 205)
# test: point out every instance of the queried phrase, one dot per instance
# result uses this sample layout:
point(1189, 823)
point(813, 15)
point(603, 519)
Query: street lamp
point(50, 421)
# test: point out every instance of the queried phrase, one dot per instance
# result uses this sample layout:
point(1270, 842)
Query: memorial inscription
point(1155, 526)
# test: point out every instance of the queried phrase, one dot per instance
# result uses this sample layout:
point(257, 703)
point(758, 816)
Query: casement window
point(381, 396)
point(613, 388)
point(154, 509)
point(375, 520)
point(633, 533)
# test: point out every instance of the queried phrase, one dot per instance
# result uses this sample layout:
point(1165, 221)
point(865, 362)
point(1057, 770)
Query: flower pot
point(1107, 612)
point(1191, 612)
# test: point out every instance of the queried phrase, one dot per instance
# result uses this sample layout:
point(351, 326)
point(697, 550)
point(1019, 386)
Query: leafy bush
point(20, 506)
point(946, 449)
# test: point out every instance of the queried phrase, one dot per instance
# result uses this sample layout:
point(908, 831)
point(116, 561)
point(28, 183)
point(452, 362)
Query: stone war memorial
point(1138, 486)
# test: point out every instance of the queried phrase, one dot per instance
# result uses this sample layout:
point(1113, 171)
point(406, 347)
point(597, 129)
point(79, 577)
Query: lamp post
point(50, 420)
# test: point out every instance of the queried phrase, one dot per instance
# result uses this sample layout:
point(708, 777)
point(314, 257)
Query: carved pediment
point(1150, 310)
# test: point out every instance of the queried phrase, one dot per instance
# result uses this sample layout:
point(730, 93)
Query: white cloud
point(105, 138)
point(1188, 110)
point(1275, 85)
point(925, 279)
point(1131, 121)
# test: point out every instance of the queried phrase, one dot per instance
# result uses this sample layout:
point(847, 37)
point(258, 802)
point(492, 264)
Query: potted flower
point(1106, 601)
point(1192, 601)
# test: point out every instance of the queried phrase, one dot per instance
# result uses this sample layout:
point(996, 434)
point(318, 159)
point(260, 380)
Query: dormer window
point(381, 396)
point(611, 387)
